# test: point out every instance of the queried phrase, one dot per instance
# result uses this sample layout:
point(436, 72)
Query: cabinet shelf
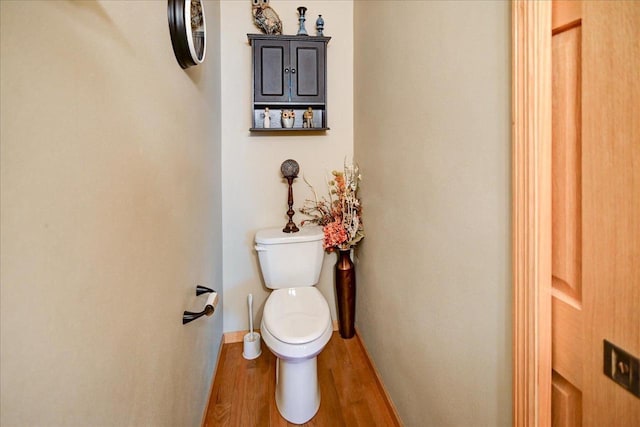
point(287, 37)
point(288, 129)
point(289, 105)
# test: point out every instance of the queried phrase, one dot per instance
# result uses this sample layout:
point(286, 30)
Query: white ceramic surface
point(296, 315)
point(296, 322)
point(289, 260)
point(297, 391)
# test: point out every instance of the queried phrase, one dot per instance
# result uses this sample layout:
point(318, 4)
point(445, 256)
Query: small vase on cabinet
point(345, 278)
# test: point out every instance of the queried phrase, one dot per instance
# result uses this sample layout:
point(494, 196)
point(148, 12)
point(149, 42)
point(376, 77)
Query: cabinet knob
point(293, 71)
point(286, 70)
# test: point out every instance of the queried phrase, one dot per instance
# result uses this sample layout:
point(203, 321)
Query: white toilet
point(296, 322)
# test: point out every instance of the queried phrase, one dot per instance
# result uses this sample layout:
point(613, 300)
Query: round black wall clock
point(188, 31)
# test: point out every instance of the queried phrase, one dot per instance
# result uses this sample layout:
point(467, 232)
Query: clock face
point(188, 31)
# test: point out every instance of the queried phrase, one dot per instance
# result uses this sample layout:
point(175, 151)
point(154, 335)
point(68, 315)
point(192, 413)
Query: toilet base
point(297, 389)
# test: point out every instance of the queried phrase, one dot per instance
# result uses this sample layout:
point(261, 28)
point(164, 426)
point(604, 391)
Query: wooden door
point(595, 207)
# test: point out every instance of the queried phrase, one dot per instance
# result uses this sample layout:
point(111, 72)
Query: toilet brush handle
point(251, 314)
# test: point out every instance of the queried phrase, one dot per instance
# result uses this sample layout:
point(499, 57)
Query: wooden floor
point(243, 391)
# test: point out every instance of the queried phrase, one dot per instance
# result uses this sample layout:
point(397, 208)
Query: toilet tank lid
point(275, 235)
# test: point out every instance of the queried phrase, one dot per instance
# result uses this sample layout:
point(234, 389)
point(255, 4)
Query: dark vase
point(346, 293)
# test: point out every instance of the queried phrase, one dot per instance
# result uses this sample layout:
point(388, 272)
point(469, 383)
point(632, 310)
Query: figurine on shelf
point(320, 26)
point(267, 118)
point(307, 117)
point(288, 118)
point(266, 18)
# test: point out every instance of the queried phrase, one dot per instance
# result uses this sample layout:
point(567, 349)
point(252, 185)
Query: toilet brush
point(251, 315)
point(252, 339)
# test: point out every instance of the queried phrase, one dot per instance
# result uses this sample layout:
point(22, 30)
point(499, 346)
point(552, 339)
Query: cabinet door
point(271, 70)
point(307, 71)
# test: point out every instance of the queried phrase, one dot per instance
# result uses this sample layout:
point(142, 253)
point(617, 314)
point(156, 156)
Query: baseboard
point(387, 398)
point(235, 336)
point(238, 336)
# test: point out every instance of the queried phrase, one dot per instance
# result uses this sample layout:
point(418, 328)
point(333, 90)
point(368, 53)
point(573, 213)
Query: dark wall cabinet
point(289, 73)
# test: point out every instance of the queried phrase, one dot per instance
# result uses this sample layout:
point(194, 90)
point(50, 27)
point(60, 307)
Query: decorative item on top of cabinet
point(302, 31)
point(320, 25)
point(289, 73)
point(266, 18)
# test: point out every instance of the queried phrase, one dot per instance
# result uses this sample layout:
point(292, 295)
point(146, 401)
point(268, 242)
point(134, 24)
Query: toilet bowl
point(296, 322)
point(296, 326)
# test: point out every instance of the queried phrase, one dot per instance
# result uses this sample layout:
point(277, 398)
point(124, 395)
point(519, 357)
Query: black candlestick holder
point(290, 169)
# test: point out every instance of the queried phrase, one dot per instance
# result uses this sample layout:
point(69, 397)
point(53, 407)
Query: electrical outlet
point(622, 367)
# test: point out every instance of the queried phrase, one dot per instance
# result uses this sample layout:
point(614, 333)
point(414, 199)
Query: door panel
point(271, 60)
point(566, 164)
point(566, 401)
point(308, 79)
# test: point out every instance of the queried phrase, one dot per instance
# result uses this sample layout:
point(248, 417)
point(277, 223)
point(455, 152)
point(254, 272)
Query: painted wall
point(111, 214)
point(432, 136)
point(254, 195)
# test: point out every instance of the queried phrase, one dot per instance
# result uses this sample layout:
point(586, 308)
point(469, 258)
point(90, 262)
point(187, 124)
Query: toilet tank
point(290, 260)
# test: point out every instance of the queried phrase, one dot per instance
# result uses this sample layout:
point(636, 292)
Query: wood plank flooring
point(243, 390)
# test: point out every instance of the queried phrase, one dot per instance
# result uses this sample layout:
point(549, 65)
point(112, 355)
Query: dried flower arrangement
point(341, 215)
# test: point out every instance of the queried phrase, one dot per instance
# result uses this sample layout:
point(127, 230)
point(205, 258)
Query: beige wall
point(432, 122)
point(110, 216)
point(254, 195)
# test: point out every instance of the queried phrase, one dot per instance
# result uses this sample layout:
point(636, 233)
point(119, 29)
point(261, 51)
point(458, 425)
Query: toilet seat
point(296, 323)
point(296, 315)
